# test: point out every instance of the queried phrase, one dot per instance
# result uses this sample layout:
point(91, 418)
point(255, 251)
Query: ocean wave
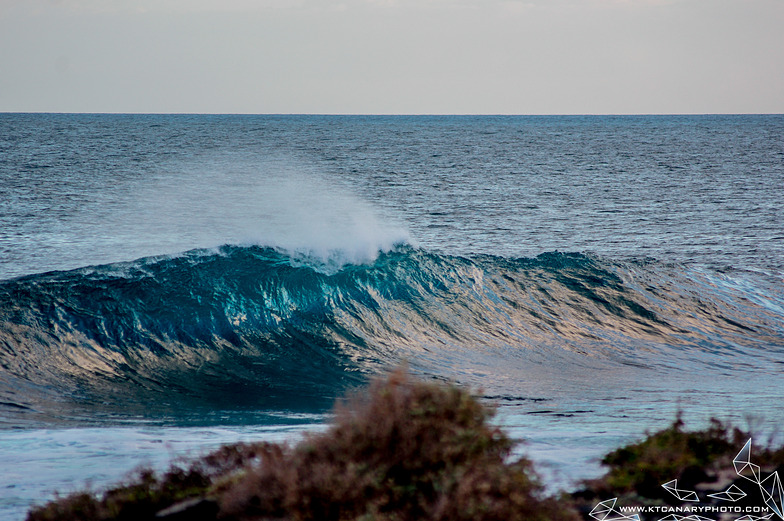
point(259, 326)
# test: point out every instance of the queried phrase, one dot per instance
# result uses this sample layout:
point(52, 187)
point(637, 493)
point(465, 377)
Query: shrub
point(402, 450)
point(141, 499)
point(670, 453)
point(405, 450)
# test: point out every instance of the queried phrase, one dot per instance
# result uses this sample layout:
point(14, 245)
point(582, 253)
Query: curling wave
point(258, 326)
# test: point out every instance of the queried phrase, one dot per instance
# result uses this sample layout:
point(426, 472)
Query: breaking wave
point(258, 326)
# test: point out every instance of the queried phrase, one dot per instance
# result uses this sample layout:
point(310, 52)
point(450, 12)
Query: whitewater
point(170, 282)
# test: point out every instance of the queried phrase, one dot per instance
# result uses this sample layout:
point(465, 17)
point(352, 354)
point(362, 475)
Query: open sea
point(169, 283)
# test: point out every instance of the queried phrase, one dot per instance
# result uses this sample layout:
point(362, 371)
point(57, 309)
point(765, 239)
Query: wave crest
point(257, 325)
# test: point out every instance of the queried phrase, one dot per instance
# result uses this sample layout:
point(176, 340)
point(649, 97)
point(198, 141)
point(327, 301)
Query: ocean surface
point(169, 283)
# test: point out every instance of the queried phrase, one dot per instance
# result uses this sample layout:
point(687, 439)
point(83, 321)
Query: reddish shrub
point(402, 450)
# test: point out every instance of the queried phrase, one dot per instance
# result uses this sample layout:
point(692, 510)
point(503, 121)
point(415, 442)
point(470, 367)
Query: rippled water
point(83, 189)
point(588, 275)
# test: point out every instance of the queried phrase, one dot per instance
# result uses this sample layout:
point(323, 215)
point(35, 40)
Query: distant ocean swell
point(256, 326)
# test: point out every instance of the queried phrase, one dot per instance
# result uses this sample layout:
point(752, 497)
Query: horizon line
point(390, 114)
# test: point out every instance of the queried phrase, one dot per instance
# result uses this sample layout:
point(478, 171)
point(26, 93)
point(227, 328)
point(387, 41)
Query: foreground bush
point(691, 456)
point(642, 467)
point(405, 450)
point(701, 461)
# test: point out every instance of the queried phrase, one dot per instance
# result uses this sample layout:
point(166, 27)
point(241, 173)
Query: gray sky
point(393, 56)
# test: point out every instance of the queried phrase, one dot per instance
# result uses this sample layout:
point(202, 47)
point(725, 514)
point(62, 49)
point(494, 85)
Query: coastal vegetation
point(406, 449)
point(674, 467)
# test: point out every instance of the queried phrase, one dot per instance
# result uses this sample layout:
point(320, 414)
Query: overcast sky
point(393, 56)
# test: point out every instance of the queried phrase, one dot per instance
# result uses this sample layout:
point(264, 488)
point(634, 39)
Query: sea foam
point(278, 202)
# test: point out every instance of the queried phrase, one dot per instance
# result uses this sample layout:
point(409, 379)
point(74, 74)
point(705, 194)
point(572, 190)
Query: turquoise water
point(170, 283)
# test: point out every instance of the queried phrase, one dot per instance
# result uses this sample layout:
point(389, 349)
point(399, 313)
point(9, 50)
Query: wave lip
point(263, 327)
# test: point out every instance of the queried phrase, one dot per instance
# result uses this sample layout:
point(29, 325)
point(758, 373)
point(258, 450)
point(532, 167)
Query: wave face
point(255, 326)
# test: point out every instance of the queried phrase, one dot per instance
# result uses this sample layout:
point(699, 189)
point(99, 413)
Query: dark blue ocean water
point(213, 278)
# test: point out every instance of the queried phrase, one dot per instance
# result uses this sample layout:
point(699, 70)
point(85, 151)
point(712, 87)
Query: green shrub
point(690, 456)
point(660, 457)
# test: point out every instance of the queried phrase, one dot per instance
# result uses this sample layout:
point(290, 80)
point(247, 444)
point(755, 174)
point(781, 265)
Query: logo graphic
point(683, 495)
point(770, 488)
point(732, 494)
point(606, 511)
